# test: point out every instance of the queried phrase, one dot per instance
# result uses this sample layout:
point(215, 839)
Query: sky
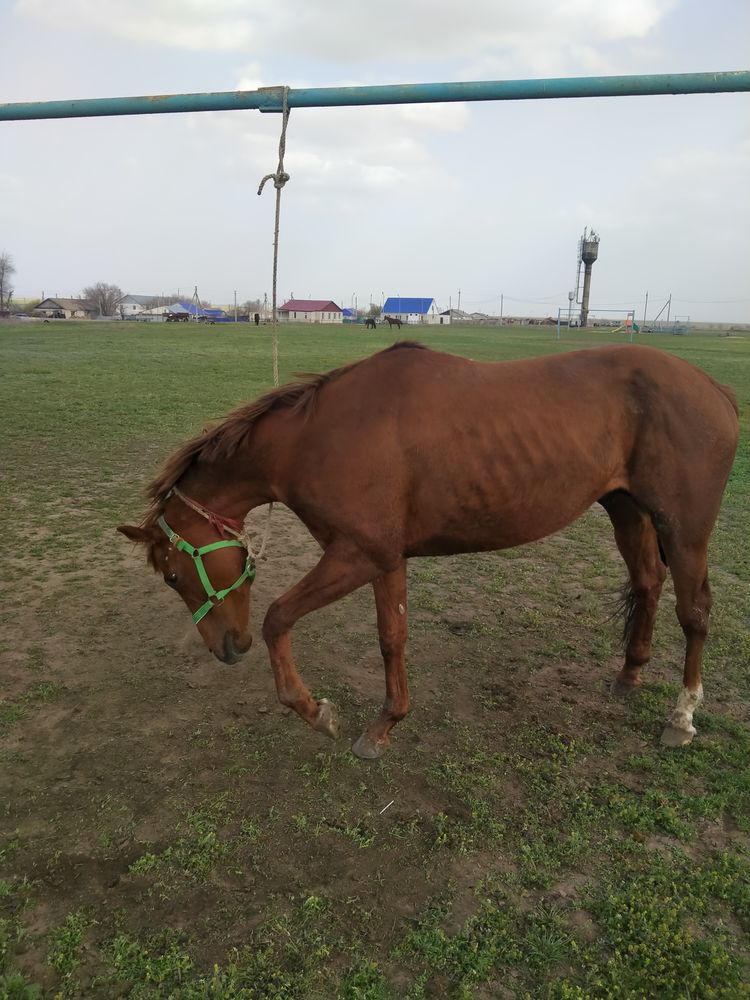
point(479, 204)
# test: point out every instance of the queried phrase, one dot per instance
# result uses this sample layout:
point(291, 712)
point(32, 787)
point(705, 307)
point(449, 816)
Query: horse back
point(448, 454)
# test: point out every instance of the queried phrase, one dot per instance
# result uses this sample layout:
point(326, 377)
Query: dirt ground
point(146, 785)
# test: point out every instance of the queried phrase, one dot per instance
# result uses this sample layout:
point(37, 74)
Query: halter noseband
point(222, 524)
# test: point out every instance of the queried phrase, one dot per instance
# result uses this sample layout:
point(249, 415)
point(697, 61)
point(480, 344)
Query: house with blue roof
point(194, 311)
point(413, 310)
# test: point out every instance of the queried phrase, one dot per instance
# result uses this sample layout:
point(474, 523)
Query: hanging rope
point(279, 180)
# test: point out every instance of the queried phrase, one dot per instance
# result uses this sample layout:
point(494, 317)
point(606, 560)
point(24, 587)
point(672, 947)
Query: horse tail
point(625, 606)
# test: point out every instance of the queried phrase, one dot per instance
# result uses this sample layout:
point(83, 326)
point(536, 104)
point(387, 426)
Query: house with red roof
point(310, 311)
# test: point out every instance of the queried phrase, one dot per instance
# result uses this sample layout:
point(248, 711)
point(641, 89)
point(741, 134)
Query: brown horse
point(412, 452)
point(393, 321)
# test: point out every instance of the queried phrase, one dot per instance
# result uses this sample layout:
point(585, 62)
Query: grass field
point(168, 831)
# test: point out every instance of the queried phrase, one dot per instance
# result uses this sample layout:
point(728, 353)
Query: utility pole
point(645, 309)
point(501, 308)
point(459, 300)
point(669, 306)
point(235, 305)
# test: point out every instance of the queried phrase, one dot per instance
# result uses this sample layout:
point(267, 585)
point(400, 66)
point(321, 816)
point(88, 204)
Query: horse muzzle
point(233, 649)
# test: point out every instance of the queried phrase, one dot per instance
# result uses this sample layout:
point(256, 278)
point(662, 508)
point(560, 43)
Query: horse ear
point(134, 533)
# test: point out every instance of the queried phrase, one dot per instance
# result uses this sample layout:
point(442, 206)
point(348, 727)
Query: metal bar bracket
point(270, 99)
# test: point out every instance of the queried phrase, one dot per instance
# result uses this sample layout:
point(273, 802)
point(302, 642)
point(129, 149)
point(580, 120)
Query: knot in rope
point(279, 180)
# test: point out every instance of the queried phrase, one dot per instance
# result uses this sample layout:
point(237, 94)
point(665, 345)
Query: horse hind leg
point(638, 543)
point(688, 565)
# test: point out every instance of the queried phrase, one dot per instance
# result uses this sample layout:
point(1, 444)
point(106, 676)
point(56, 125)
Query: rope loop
point(247, 539)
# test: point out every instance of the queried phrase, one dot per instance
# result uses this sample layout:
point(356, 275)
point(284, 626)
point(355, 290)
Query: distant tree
point(374, 310)
point(7, 270)
point(103, 297)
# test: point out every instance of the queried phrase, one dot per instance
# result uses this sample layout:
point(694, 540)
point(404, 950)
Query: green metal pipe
point(271, 98)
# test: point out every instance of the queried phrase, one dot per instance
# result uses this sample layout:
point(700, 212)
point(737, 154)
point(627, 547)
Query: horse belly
point(498, 497)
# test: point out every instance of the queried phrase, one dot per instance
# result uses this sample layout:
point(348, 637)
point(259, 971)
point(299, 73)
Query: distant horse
point(452, 456)
point(393, 321)
point(370, 323)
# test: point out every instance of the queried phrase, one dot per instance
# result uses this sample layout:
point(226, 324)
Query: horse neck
point(230, 486)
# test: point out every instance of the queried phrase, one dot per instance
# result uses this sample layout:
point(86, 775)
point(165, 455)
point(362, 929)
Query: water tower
point(588, 251)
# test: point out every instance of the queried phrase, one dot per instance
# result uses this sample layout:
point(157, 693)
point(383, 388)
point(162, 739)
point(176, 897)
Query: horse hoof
point(673, 737)
point(327, 719)
point(621, 689)
point(366, 748)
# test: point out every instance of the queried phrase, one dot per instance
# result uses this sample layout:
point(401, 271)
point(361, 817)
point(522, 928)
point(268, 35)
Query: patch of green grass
point(65, 943)
point(198, 851)
point(660, 937)
point(485, 944)
point(16, 987)
point(287, 958)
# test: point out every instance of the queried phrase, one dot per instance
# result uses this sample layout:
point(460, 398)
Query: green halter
point(214, 596)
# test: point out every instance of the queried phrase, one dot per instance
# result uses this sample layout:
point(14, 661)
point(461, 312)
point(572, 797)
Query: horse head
point(210, 573)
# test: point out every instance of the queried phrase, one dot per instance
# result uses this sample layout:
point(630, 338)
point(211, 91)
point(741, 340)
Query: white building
point(413, 310)
point(132, 305)
point(310, 311)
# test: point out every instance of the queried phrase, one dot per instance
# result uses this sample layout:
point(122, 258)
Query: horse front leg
point(390, 601)
point(341, 569)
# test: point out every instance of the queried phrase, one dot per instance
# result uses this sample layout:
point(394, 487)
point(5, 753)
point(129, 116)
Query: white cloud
point(345, 151)
point(349, 31)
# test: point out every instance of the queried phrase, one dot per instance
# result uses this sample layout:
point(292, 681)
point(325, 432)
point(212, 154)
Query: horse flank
point(226, 438)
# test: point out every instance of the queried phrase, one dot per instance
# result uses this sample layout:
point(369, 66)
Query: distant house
point(197, 311)
point(132, 305)
point(310, 311)
point(66, 309)
point(413, 310)
point(184, 312)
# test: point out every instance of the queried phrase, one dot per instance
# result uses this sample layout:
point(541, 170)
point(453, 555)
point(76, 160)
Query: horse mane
point(226, 438)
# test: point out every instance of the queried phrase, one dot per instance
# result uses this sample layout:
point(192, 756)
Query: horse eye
point(171, 580)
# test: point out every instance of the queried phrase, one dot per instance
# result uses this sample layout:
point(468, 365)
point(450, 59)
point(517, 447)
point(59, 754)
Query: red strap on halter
point(218, 522)
point(221, 523)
